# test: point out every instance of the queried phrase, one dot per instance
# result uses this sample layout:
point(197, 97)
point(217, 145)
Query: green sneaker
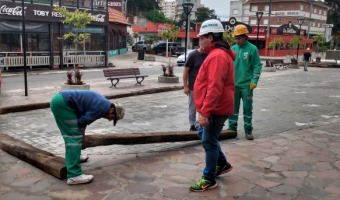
point(223, 169)
point(202, 185)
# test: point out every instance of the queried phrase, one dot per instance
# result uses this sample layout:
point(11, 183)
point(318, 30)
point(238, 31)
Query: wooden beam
point(145, 138)
point(43, 160)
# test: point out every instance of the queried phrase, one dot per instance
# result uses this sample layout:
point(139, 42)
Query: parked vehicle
point(180, 59)
point(140, 45)
point(174, 48)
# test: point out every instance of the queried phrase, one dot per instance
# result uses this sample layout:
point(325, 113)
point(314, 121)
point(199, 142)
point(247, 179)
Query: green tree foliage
point(135, 7)
point(204, 13)
point(77, 20)
point(333, 16)
point(295, 41)
point(157, 16)
point(319, 40)
point(275, 43)
point(171, 34)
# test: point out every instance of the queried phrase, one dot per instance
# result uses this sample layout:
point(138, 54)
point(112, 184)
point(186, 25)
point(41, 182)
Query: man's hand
point(186, 90)
point(252, 86)
point(203, 121)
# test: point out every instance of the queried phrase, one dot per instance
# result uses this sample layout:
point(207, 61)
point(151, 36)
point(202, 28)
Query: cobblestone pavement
point(295, 154)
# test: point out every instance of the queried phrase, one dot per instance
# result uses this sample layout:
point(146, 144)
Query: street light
point(187, 7)
point(300, 21)
point(24, 43)
point(259, 16)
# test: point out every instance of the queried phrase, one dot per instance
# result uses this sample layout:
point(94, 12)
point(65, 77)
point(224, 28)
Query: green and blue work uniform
point(73, 110)
point(248, 68)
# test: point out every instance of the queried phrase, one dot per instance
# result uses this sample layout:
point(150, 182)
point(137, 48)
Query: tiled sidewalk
point(292, 165)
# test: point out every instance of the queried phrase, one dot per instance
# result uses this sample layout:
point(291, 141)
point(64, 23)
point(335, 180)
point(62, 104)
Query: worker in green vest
point(247, 73)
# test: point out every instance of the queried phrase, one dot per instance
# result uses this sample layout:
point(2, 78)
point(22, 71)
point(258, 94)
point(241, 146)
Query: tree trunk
point(145, 138)
point(43, 160)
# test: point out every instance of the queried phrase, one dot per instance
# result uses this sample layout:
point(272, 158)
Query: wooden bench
point(278, 64)
point(114, 75)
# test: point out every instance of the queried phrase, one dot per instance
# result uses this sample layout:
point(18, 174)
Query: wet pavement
point(295, 154)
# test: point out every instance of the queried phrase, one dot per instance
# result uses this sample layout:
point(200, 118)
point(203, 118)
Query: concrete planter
point(65, 86)
point(293, 66)
point(167, 79)
point(268, 69)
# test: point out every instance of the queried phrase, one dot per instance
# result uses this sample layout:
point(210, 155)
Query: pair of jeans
point(192, 108)
point(209, 136)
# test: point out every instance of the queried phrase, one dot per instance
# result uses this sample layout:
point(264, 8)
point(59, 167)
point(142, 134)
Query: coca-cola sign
point(12, 11)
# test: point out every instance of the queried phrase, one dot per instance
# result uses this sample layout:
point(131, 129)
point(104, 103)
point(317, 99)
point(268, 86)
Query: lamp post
point(300, 21)
point(187, 7)
point(24, 44)
point(258, 16)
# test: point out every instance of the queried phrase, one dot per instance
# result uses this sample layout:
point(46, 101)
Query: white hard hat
point(211, 26)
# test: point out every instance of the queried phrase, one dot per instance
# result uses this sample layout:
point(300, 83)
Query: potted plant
point(77, 20)
point(168, 76)
point(273, 45)
point(319, 40)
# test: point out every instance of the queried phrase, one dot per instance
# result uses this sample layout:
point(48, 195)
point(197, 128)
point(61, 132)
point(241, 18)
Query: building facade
point(169, 8)
point(197, 4)
point(282, 12)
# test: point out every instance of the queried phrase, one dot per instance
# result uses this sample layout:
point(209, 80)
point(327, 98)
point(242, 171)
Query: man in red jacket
point(214, 99)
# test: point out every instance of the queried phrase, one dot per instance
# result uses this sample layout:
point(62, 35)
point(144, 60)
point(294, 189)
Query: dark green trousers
point(67, 122)
point(247, 99)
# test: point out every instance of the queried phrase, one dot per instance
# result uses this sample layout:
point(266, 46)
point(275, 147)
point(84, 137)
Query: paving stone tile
point(315, 192)
point(266, 183)
point(285, 190)
point(141, 188)
point(176, 192)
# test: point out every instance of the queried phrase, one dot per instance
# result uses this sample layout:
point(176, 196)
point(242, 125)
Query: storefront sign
point(230, 25)
point(286, 13)
point(262, 30)
point(116, 4)
point(9, 10)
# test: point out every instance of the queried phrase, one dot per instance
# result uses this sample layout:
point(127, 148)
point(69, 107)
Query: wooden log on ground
point(145, 138)
point(43, 160)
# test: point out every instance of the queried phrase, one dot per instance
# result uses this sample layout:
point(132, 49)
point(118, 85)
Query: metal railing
point(11, 59)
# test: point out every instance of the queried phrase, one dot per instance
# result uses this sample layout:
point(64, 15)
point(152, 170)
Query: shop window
point(254, 8)
point(266, 8)
point(42, 2)
point(56, 3)
point(235, 11)
point(19, 1)
point(265, 22)
point(85, 3)
point(72, 3)
point(10, 42)
point(38, 42)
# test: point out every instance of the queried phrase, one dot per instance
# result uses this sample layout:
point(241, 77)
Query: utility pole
point(310, 17)
point(268, 27)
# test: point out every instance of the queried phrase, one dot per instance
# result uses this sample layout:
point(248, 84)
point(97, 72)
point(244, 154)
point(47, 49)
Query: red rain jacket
point(214, 85)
